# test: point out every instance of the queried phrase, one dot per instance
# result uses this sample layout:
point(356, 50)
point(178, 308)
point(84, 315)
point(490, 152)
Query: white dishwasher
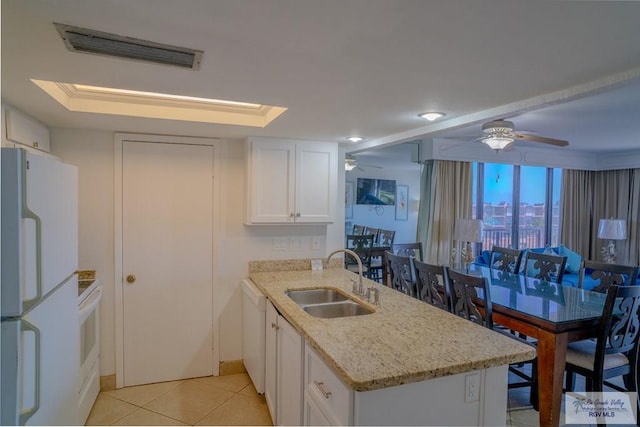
point(253, 332)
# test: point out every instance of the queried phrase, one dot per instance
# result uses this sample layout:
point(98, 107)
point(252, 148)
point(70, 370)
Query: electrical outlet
point(279, 243)
point(315, 242)
point(472, 387)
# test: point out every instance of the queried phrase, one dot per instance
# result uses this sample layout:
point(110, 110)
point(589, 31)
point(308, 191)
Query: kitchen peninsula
point(407, 363)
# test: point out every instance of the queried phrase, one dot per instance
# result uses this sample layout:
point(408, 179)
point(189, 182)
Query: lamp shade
point(612, 229)
point(468, 230)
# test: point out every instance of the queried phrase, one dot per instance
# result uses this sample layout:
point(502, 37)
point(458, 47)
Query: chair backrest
point(431, 284)
point(361, 245)
point(607, 274)
point(619, 331)
point(385, 237)
point(374, 231)
point(546, 267)
point(358, 229)
point(401, 272)
point(408, 249)
point(463, 291)
point(505, 259)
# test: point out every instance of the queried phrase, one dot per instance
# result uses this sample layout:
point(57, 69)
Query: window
point(519, 205)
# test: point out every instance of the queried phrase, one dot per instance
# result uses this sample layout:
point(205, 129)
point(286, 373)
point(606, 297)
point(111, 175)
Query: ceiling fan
point(499, 134)
point(350, 164)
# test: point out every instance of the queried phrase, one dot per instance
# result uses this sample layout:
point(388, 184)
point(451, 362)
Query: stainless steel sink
point(316, 296)
point(327, 303)
point(337, 309)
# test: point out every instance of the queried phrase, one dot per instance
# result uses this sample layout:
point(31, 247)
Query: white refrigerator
point(40, 353)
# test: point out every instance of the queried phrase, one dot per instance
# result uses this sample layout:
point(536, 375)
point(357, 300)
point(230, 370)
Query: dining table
point(554, 315)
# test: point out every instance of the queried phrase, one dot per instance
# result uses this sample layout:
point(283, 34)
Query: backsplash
point(288, 265)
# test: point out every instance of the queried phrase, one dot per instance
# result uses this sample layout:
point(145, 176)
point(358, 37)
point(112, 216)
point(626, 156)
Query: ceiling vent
point(96, 42)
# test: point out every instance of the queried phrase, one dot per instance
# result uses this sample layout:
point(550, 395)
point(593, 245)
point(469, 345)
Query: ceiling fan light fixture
point(431, 115)
point(354, 138)
point(349, 163)
point(497, 142)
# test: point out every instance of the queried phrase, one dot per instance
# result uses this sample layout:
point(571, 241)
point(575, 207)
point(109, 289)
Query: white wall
point(93, 153)
point(384, 216)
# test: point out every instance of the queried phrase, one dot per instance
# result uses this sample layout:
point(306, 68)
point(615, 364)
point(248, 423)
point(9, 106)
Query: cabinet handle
point(324, 392)
point(274, 326)
point(291, 215)
point(298, 214)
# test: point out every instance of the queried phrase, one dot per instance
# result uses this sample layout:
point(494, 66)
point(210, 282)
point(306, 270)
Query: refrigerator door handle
point(26, 413)
point(27, 213)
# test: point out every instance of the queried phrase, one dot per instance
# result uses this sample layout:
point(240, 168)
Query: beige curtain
point(587, 197)
point(451, 194)
point(575, 210)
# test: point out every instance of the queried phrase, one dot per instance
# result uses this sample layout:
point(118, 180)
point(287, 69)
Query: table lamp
point(611, 229)
point(467, 231)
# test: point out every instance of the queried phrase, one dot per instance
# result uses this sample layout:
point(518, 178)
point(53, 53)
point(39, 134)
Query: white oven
point(89, 312)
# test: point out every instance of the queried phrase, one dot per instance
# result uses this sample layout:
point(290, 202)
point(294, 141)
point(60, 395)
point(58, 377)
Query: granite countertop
point(404, 341)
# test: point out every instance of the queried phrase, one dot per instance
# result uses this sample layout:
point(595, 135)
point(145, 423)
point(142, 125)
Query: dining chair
point(361, 245)
point(607, 274)
point(372, 230)
point(358, 229)
point(408, 249)
point(385, 237)
point(505, 259)
point(615, 351)
point(463, 292)
point(384, 240)
point(549, 268)
point(431, 284)
point(401, 273)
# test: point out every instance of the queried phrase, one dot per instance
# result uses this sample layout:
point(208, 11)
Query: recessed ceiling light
point(431, 115)
point(355, 138)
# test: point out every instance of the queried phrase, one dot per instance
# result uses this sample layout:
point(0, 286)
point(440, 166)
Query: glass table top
point(534, 297)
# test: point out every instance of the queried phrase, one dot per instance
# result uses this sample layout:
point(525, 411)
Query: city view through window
point(519, 205)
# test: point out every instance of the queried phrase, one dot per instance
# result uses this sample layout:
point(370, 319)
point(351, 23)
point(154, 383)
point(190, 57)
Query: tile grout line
point(220, 405)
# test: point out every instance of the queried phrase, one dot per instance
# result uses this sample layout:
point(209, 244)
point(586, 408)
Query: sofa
point(572, 268)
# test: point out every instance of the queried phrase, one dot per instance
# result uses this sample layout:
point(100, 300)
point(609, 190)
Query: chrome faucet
point(359, 287)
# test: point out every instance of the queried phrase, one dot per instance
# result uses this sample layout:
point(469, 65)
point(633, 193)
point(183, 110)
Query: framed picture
point(348, 199)
point(402, 202)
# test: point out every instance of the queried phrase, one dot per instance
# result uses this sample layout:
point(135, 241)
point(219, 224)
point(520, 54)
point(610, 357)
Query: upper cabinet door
point(290, 181)
point(271, 169)
point(24, 130)
point(316, 182)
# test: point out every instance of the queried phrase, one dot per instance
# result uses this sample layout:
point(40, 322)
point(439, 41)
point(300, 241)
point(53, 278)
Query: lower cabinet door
point(270, 374)
point(313, 416)
point(289, 372)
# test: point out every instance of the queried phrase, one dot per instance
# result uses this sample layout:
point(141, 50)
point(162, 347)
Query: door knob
point(131, 278)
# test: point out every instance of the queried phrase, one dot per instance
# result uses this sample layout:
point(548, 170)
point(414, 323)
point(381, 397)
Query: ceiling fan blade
point(542, 139)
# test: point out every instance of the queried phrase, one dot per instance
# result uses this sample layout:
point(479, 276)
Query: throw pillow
point(573, 259)
point(486, 257)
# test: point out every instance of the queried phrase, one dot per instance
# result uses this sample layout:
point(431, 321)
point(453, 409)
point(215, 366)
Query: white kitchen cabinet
point(18, 128)
point(283, 376)
point(291, 181)
point(271, 363)
point(328, 399)
point(439, 401)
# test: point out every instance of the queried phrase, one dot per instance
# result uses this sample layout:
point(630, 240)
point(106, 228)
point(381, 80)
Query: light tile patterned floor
point(229, 400)
point(225, 400)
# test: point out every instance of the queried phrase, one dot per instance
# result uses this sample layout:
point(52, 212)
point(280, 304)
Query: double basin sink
point(327, 303)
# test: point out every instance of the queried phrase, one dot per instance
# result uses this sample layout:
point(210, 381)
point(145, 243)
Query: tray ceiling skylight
point(94, 99)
